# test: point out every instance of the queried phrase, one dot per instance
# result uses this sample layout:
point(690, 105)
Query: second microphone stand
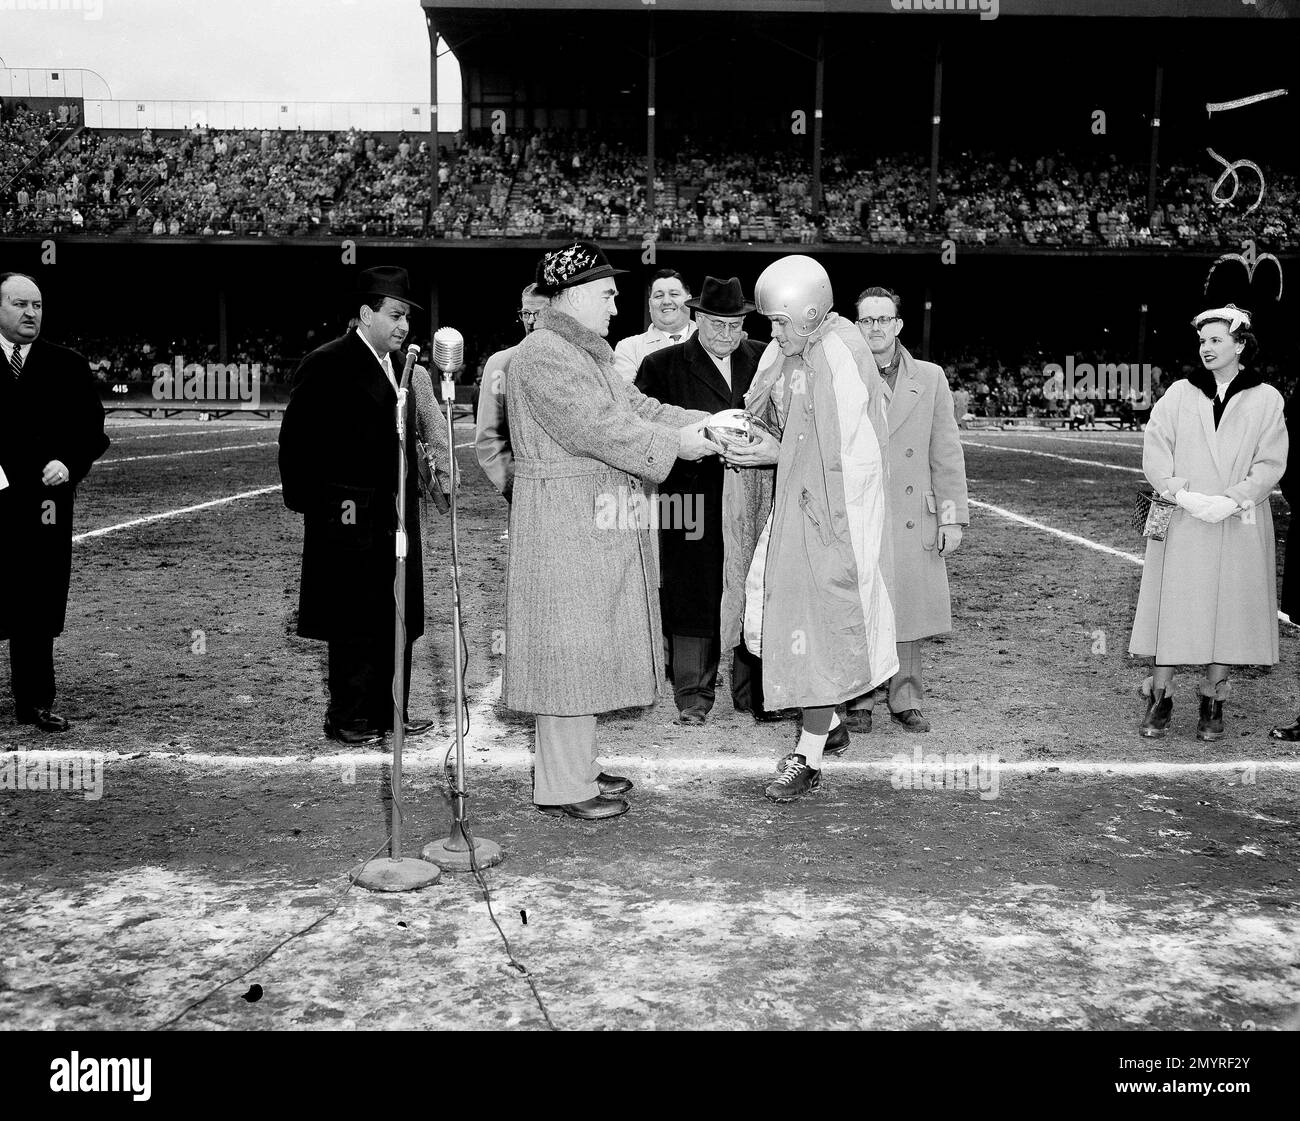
point(461, 851)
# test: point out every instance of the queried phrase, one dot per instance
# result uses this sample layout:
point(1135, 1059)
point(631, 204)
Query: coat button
point(801, 435)
point(909, 490)
point(909, 452)
point(911, 525)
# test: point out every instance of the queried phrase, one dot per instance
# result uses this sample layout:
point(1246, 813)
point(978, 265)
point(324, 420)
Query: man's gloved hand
point(949, 539)
point(1218, 508)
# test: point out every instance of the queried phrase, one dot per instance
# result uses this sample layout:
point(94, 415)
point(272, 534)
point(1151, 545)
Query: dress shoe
point(911, 720)
point(796, 780)
point(858, 720)
point(763, 716)
point(45, 720)
point(837, 741)
point(1160, 709)
point(593, 809)
point(354, 737)
point(410, 728)
point(1209, 726)
point(691, 717)
point(1288, 732)
point(612, 785)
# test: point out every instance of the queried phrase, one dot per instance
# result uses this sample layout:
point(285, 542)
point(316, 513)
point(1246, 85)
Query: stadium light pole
point(650, 121)
point(1155, 141)
point(936, 116)
point(819, 92)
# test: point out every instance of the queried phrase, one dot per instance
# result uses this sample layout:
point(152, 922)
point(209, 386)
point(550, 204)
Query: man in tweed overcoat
point(583, 633)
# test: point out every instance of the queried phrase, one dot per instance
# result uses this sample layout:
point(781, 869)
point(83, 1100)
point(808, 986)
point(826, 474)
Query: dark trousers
point(31, 672)
point(695, 669)
point(746, 680)
point(361, 683)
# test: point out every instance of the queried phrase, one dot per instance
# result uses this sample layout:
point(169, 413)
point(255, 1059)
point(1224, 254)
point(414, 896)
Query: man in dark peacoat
point(710, 371)
point(51, 431)
point(338, 463)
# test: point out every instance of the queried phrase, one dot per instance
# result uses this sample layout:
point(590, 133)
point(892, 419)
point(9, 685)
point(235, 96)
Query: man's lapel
point(907, 391)
point(705, 371)
point(371, 374)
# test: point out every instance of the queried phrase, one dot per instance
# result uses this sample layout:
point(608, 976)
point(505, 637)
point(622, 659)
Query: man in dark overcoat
point(338, 463)
point(51, 432)
point(710, 371)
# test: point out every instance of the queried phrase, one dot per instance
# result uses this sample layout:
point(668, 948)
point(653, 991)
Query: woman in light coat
point(1216, 444)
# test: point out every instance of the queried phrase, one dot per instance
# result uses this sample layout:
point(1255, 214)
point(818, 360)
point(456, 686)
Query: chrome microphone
point(448, 356)
point(448, 349)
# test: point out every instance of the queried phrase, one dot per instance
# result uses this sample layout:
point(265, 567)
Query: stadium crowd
point(551, 184)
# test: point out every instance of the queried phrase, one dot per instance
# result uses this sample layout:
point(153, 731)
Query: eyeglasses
point(527, 316)
point(877, 320)
point(723, 327)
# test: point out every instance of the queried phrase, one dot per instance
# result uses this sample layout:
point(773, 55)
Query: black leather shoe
point(593, 809)
point(763, 716)
point(1160, 708)
point(691, 717)
point(45, 720)
point(411, 728)
point(1288, 732)
point(1209, 726)
point(612, 785)
point(911, 720)
point(354, 737)
point(858, 720)
point(837, 742)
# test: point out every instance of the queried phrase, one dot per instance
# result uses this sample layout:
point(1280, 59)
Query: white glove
point(1218, 508)
point(1193, 502)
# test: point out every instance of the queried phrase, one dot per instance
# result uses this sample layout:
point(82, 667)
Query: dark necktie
point(16, 364)
point(675, 338)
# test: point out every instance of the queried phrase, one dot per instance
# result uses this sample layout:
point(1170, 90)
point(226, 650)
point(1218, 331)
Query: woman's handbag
point(1151, 514)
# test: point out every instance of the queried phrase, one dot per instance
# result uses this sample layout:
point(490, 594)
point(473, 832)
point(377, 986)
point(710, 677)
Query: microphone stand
point(395, 872)
point(461, 851)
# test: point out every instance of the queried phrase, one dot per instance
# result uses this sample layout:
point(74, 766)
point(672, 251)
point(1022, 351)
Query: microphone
point(448, 349)
point(448, 356)
point(412, 354)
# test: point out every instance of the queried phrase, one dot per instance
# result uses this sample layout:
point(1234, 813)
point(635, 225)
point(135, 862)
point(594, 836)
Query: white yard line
point(206, 430)
point(1053, 455)
point(192, 451)
point(78, 538)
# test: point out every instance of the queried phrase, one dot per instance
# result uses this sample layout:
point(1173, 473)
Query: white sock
point(811, 747)
point(835, 722)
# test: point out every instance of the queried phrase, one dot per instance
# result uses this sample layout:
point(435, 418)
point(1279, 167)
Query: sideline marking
point(1135, 445)
point(432, 759)
point(1055, 455)
point(192, 451)
point(78, 538)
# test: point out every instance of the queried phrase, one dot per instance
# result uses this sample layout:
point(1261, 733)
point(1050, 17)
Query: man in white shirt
point(670, 324)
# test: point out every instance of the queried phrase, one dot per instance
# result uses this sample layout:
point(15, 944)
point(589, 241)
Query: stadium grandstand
point(1060, 175)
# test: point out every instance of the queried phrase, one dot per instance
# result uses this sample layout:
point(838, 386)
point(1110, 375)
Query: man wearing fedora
point(338, 463)
point(583, 631)
point(709, 371)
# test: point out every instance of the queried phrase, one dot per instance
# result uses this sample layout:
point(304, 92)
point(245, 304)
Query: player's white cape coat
point(816, 599)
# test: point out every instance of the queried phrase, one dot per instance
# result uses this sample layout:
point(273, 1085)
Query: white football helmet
point(798, 288)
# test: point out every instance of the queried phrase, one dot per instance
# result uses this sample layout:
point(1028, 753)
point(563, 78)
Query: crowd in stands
point(129, 360)
point(550, 184)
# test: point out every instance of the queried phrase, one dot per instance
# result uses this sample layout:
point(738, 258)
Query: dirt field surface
point(1089, 880)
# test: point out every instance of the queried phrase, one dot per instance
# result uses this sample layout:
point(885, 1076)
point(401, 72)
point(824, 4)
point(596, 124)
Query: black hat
point(386, 280)
point(721, 297)
point(575, 264)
